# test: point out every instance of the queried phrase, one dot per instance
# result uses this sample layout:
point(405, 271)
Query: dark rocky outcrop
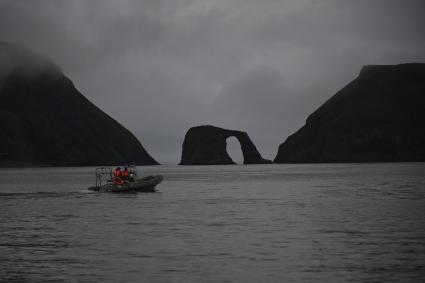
point(380, 116)
point(44, 120)
point(206, 145)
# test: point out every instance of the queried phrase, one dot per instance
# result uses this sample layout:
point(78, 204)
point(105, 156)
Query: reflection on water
point(274, 223)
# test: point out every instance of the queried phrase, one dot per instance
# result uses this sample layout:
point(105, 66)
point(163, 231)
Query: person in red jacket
point(117, 172)
point(125, 173)
point(118, 176)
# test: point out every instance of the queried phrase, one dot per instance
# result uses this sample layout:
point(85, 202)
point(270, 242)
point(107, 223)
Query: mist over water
point(273, 223)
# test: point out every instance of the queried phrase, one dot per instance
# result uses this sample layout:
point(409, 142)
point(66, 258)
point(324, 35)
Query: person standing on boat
point(131, 175)
point(118, 176)
point(125, 174)
point(117, 172)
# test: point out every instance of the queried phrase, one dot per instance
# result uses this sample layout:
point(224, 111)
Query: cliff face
point(44, 120)
point(206, 145)
point(380, 116)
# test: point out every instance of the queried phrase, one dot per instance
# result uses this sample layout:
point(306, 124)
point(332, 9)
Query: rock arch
point(206, 145)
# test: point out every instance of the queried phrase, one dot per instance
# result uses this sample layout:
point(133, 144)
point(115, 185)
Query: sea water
point(257, 223)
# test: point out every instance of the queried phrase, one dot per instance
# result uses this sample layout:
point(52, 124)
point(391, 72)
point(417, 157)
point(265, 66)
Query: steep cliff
point(45, 120)
point(206, 145)
point(380, 116)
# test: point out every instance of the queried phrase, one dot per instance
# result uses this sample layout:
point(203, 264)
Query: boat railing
point(103, 176)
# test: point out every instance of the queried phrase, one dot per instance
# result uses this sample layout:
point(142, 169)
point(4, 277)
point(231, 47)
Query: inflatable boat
point(106, 181)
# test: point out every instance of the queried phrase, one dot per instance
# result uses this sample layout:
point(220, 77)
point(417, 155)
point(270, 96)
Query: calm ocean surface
point(265, 223)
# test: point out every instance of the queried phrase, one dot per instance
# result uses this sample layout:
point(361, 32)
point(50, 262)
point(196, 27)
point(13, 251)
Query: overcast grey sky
point(162, 66)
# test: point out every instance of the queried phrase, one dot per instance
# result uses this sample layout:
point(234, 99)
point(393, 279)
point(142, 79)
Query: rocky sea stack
point(206, 145)
point(46, 121)
point(380, 116)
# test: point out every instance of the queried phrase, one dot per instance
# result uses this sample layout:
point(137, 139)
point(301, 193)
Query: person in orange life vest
point(125, 173)
point(117, 172)
point(118, 176)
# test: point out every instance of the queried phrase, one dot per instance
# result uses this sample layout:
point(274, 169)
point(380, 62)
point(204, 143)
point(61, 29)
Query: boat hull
point(146, 184)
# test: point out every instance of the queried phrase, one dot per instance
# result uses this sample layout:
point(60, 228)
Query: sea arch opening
point(234, 150)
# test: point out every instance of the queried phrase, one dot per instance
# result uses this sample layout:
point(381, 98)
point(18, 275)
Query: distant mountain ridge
point(45, 120)
point(379, 116)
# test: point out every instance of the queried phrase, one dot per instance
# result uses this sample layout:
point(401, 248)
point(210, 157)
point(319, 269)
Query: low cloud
point(162, 66)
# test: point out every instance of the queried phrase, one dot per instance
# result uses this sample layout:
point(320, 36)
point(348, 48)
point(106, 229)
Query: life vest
point(118, 181)
point(117, 173)
point(125, 174)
